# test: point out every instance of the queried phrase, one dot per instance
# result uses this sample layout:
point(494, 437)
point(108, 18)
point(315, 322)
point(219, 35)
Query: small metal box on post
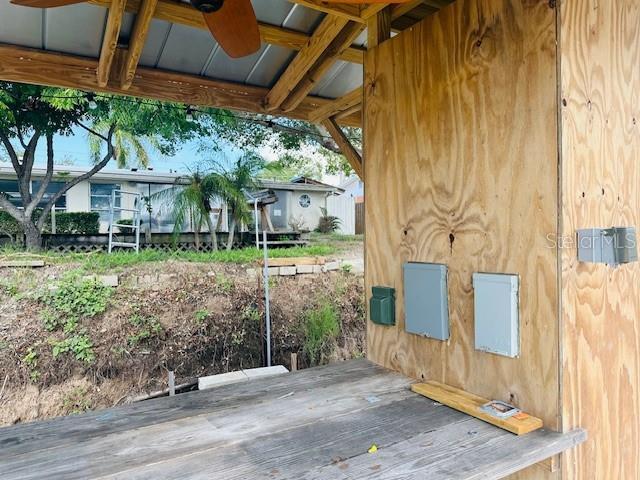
point(382, 306)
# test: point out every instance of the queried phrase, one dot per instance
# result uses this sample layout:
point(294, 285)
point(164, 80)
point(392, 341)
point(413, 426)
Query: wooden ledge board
point(470, 404)
point(286, 262)
point(21, 263)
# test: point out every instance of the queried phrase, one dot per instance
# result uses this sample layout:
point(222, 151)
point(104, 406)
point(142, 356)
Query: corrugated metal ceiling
point(78, 30)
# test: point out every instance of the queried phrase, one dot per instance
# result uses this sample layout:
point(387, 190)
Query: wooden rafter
point(138, 39)
point(323, 36)
point(379, 28)
point(348, 11)
point(18, 64)
point(353, 156)
point(322, 66)
point(400, 9)
point(339, 105)
point(110, 40)
point(184, 14)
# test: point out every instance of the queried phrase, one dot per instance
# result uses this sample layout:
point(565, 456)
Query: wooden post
point(172, 383)
point(294, 362)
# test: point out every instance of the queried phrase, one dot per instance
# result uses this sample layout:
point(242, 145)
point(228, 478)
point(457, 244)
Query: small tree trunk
point(33, 236)
point(212, 232)
point(232, 230)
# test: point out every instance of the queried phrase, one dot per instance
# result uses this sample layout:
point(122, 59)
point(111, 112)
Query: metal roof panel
point(22, 26)
point(76, 29)
point(186, 50)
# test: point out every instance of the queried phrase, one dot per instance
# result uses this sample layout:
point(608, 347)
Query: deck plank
point(29, 437)
point(140, 446)
point(316, 424)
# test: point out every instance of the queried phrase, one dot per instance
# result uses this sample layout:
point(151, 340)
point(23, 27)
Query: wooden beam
point(184, 14)
point(110, 40)
point(346, 102)
point(346, 11)
point(18, 64)
point(354, 157)
point(400, 9)
point(342, 41)
point(367, 11)
point(138, 39)
point(348, 112)
point(379, 28)
point(326, 32)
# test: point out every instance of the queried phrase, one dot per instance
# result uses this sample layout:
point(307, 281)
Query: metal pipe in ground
point(266, 296)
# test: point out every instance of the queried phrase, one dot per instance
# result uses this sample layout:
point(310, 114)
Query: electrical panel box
point(382, 306)
point(426, 304)
point(613, 246)
point(496, 313)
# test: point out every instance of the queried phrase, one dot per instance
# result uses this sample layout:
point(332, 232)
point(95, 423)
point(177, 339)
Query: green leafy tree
point(301, 147)
point(235, 182)
point(31, 114)
point(190, 199)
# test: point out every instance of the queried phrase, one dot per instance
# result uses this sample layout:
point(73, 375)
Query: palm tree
point(234, 182)
point(126, 145)
point(190, 199)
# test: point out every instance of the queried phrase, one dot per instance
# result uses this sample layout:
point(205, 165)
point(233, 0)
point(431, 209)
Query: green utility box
point(382, 305)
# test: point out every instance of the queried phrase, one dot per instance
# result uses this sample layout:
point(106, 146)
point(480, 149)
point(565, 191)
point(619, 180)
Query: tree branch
point(27, 165)
point(45, 181)
point(11, 151)
point(93, 132)
point(317, 137)
point(71, 183)
point(10, 208)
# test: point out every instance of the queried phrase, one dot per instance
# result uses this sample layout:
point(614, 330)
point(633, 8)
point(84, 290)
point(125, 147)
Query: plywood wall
point(461, 167)
point(600, 58)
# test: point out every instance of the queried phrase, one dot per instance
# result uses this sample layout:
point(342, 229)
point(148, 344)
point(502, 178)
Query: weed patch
point(321, 328)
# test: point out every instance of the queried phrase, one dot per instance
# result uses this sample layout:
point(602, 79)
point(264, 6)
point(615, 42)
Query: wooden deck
point(314, 424)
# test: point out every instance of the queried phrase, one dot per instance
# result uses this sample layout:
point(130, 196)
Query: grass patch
point(102, 262)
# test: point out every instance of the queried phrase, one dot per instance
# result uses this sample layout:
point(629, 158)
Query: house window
point(52, 188)
point(101, 199)
point(304, 201)
point(11, 190)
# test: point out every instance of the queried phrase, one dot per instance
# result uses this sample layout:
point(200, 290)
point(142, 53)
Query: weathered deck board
point(24, 438)
point(315, 424)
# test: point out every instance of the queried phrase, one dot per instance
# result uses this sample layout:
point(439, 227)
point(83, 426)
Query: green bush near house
point(9, 226)
point(126, 230)
point(83, 223)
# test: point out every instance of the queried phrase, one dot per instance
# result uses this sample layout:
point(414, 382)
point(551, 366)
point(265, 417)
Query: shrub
point(327, 223)
point(321, 328)
point(83, 223)
point(126, 230)
point(9, 226)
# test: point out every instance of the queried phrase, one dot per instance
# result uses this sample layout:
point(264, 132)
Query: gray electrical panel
point(496, 313)
point(426, 305)
point(613, 246)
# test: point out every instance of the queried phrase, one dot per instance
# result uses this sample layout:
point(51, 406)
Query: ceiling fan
point(232, 23)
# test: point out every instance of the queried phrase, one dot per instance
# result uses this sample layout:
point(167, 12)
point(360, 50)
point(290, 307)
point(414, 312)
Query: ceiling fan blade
point(366, 1)
point(235, 28)
point(45, 3)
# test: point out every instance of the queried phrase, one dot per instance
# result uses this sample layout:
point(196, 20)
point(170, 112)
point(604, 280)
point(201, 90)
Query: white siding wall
point(311, 215)
point(343, 207)
point(78, 198)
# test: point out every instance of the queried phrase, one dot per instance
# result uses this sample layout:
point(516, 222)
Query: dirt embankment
point(58, 356)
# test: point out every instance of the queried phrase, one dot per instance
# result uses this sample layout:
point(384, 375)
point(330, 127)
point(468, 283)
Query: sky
point(74, 151)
